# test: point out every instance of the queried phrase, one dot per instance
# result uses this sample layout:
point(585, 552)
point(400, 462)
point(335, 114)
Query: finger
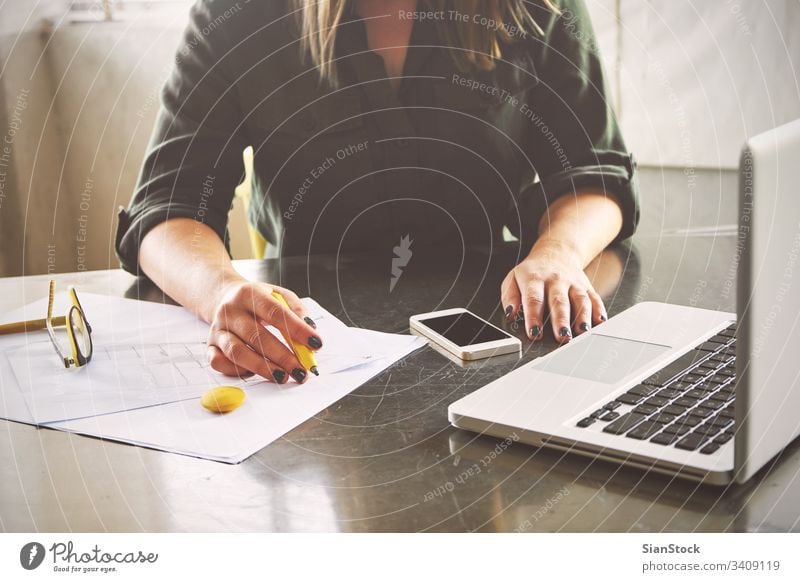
point(291, 326)
point(599, 313)
point(534, 302)
point(581, 310)
point(223, 365)
point(242, 356)
point(295, 304)
point(270, 311)
point(510, 297)
point(559, 306)
point(279, 358)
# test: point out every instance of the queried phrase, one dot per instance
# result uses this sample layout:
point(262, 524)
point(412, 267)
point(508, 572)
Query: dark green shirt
point(451, 157)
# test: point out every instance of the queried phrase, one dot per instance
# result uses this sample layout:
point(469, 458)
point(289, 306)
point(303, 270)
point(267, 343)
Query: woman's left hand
point(551, 280)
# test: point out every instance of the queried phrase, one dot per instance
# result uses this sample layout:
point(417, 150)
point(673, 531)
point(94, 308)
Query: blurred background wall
point(690, 80)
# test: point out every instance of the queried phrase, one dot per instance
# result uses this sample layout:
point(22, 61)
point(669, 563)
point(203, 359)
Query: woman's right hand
point(239, 343)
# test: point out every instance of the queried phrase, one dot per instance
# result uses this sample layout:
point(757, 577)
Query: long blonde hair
point(476, 45)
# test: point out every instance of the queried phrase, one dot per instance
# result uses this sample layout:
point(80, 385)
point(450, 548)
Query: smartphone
point(464, 334)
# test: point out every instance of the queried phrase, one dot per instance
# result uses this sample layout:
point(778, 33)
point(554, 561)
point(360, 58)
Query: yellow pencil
point(31, 325)
point(303, 353)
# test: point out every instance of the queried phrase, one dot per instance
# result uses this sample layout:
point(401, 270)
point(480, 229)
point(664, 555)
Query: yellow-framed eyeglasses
point(79, 332)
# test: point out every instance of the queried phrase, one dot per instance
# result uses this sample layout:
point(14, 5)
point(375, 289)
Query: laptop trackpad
point(601, 358)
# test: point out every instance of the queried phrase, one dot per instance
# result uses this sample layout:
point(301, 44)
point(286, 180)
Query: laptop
point(703, 395)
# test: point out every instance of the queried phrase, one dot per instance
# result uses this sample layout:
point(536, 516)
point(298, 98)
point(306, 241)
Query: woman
point(374, 120)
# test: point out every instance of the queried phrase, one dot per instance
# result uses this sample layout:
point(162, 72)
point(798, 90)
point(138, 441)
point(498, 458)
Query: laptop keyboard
point(687, 404)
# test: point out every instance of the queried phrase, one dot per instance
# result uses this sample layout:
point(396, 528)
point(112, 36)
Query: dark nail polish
point(584, 326)
point(535, 331)
point(310, 322)
point(314, 342)
point(564, 332)
point(509, 309)
point(603, 318)
point(299, 374)
point(279, 376)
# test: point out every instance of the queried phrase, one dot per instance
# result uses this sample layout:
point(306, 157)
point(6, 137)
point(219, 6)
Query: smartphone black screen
point(464, 329)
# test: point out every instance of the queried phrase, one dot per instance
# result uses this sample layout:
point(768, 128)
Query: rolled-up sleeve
point(574, 142)
point(194, 160)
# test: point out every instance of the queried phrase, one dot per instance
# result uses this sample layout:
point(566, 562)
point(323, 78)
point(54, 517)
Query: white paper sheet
point(145, 385)
point(136, 375)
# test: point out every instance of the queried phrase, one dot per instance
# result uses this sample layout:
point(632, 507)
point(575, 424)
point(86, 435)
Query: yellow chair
point(243, 191)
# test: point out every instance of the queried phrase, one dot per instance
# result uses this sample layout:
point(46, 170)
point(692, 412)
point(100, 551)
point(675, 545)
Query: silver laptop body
point(583, 397)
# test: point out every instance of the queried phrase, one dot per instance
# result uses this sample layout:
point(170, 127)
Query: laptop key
point(693, 378)
point(714, 403)
point(644, 430)
point(702, 412)
point(710, 448)
point(657, 401)
point(668, 393)
point(706, 368)
point(674, 409)
point(728, 362)
point(721, 422)
point(665, 438)
point(680, 386)
point(694, 393)
point(662, 418)
point(612, 405)
point(609, 416)
point(598, 413)
point(625, 423)
point(723, 438)
point(686, 401)
point(678, 429)
point(713, 382)
point(709, 346)
point(629, 398)
point(588, 421)
point(645, 409)
point(643, 390)
point(707, 429)
point(691, 441)
point(687, 420)
point(722, 398)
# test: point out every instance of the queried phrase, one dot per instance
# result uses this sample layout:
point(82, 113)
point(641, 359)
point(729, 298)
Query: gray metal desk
point(384, 458)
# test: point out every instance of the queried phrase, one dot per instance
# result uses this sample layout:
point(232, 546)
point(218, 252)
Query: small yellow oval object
point(222, 398)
